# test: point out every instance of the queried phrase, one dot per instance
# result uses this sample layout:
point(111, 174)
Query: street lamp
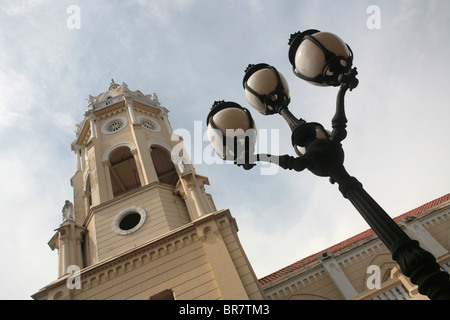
point(232, 133)
point(323, 59)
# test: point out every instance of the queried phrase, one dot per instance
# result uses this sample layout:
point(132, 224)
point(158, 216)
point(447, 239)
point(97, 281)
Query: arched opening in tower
point(164, 166)
point(124, 173)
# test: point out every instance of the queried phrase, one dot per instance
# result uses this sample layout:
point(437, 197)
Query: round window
point(129, 220)
point(114, 125)
point(148, 123)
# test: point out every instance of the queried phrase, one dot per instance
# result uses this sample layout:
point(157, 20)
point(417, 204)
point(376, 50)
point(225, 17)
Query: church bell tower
point(140, 225)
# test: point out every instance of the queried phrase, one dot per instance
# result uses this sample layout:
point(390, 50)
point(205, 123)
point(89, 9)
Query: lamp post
point(323, 59)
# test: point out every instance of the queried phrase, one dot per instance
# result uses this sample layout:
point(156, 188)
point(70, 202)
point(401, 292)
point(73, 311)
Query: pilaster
point(190, 187)
point(67, 240)
point(129, 104)
point(142, 178)
point(99, 191)
point(164, 115)
point(416, 230)
point(107, 170)
point(78, 198)
point(144, 161)
point(225, 273)
point(338, 276)
point(91, 118)
point(76, 148)
point(185, 246)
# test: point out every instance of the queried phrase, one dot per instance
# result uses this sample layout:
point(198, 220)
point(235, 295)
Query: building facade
point(141, 225)
point(361, 268)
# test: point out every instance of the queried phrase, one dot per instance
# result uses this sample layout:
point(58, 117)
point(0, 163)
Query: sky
point(54, 54)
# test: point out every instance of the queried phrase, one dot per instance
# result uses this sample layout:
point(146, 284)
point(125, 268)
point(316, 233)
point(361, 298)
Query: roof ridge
point(347, 242)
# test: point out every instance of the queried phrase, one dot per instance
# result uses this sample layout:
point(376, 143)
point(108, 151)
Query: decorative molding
point(435, 218)
point(116, 222)
point(155, 249)
point(149, 100)
point(370, 247)
point(355, 255)
point(113, 97)
point(108, 102)
point(114, 125)
point(151, 143)
point(338, 276)
point(85, 179)
point(148, 123)
point(136, 259)
point(416, 230)
point(300, 280)
point(106, 154)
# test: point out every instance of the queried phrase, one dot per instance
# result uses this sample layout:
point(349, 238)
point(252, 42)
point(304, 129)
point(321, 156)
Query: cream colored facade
point(361, 268)
point(141, 225)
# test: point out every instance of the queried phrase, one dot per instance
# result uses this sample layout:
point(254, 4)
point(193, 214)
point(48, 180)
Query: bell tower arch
point(140, 217)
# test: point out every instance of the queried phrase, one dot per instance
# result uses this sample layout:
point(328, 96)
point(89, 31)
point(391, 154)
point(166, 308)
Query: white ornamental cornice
point(116, 94)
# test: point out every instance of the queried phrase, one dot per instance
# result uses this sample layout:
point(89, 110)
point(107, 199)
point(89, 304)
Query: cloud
point(15, 100)
point(192, 53)
point(162, 12)
point(30, 213)
point(257, 5)
point(19, 7)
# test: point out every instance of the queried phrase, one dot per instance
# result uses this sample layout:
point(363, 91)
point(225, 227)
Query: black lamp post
point(322, 59)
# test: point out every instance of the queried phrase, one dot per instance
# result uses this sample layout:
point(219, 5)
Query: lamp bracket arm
point(286, 162)
point(291, 120)
point(348, 81)
point(339, 120)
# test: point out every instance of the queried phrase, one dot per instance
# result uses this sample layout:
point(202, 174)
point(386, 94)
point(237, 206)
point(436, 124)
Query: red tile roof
point(361, 236)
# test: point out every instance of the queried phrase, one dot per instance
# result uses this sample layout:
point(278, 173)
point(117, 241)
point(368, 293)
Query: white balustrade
point(108, 102)
point(394, 293)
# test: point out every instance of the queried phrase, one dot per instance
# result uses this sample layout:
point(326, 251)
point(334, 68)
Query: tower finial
point(113, 85)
